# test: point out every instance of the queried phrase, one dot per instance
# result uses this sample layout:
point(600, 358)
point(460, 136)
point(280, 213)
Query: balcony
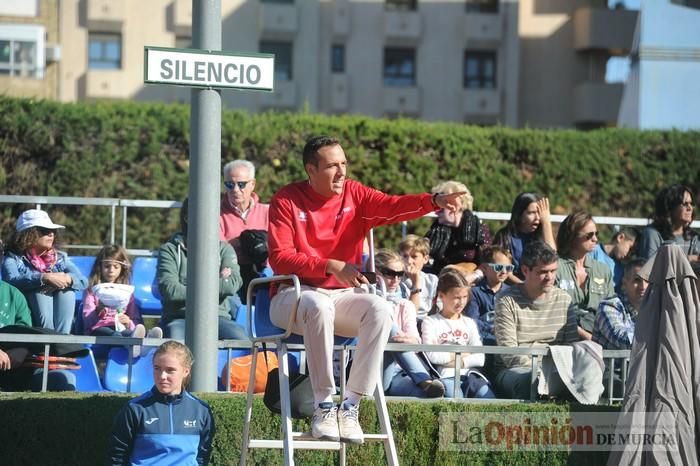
point(279, 21)
point(402, 25)
point(603, 29)
point(597, 103)
point(182, 18)
point(105, 84)
point(483, 28)
point(340, 92)
point(284, 96)
point(341, 18)
point(481, 102)
point(105, 15)
point(401, 100)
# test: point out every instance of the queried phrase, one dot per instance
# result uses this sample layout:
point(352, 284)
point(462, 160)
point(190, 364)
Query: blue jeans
point(408, 361)
point(228, 329)
point(471, 386)
point(54, 311)
point(514, 382)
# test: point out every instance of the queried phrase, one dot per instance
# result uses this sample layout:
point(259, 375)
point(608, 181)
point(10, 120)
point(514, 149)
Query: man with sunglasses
point(241, 210)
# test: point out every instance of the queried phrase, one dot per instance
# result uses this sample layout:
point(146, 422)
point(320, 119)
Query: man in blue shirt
point(614, 324)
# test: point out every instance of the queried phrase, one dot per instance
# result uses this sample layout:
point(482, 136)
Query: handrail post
point(45, 375)
point(112, 226)
point(124, 208)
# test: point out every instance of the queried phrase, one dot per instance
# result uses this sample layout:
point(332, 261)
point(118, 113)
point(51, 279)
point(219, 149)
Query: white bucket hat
point(35, 218)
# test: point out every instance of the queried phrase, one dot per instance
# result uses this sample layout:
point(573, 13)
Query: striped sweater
point(522, 322)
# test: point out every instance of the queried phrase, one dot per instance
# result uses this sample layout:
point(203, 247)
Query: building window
point(479, 69)
point(482, 6)
point(401, 5)
point(183, 42)
point(104, 51)
point(22, 50)
point(399, 66)
point(338, 58)
point(283, 58)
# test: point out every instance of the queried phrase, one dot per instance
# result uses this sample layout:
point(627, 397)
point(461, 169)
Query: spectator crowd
point(522, 287)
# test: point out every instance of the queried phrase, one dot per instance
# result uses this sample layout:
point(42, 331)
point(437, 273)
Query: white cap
point(35, 218)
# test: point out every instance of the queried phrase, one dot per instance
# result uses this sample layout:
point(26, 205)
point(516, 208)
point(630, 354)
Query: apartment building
point(29, 49)
point(536, 63)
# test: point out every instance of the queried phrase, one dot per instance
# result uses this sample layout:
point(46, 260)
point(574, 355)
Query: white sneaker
point(324, 424)
point(139, 332)
point(155, 332)
point(349, 425)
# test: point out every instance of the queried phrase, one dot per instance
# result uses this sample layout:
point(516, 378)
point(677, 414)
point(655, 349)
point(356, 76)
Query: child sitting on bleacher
point(108, 302)
point(445, 325)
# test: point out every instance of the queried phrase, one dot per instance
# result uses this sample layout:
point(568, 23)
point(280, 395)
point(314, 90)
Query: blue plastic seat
point(84, 264)
point(87, 377)
point(146, 293)
point(117, 370)
point(263, 326)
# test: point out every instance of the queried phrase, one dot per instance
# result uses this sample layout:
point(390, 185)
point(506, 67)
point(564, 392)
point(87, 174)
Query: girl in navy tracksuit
point(167, 425)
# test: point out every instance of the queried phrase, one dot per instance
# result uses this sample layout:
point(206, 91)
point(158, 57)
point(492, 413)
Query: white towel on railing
point(578, 366)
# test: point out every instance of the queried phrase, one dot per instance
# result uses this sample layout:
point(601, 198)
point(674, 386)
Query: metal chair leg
point(248, 406)
point(285, 404)
point(392, 458)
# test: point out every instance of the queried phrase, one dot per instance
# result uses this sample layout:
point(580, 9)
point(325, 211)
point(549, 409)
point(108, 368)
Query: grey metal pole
point(203, 212)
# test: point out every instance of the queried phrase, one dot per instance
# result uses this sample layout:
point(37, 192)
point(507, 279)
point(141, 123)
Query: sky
point(618, 68)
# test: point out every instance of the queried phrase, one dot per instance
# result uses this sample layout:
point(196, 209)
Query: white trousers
point(350, 312)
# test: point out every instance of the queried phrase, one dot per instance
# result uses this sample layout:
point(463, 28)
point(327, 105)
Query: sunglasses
point(391, 273)
point(589, 236)
point(45, 231)
point(688, 205)
point(230, 185)
point(498, 268)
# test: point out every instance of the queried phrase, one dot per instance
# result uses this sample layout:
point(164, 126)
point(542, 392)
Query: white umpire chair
point(281, 338)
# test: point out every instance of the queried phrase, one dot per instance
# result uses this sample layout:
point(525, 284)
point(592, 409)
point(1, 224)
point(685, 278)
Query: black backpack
point(254, 247)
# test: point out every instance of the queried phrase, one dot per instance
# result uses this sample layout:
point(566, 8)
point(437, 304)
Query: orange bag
point(240, 371)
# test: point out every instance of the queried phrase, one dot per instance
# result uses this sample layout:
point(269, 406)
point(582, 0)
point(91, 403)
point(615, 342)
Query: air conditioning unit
point(53, 53)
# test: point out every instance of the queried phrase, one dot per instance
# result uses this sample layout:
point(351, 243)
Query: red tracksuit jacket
point(307, 229)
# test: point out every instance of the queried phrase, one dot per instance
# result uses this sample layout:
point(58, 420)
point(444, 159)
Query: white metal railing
point(535, 353)
point(112, 203)
point(124, 204)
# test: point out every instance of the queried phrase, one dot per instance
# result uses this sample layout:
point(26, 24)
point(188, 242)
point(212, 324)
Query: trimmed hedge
point(140, 151)
point(73, 429)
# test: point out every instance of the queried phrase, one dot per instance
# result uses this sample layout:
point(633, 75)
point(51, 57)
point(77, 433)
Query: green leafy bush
point(73, 429)
point(140, 151)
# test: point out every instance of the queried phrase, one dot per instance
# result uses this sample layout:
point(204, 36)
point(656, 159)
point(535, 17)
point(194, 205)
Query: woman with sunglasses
point(587, 280)
point(46, 277)
point(529, 220)
point(673, 214)
point(404, 372)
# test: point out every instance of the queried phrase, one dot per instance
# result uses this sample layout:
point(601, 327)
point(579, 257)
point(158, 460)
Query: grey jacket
point(662, 394)
point(172, 277)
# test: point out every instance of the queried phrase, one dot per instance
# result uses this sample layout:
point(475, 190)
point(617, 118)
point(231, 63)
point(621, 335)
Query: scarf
point(42, 262)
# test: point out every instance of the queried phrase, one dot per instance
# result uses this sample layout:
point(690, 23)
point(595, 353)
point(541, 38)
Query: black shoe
point(433, 388)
